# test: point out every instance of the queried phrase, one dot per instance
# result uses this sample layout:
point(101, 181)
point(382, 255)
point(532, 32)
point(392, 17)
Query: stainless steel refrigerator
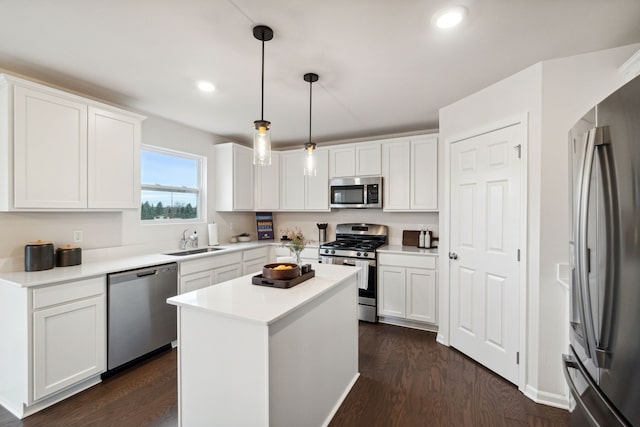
point(602, 368)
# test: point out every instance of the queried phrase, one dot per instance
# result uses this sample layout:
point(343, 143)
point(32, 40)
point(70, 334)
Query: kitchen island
point(259, 356)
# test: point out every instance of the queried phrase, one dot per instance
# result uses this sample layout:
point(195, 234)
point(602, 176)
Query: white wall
point(554, 94)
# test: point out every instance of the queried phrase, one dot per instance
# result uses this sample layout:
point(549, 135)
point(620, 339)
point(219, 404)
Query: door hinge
point(518, 255)
point(518, 148)
point(517, 357)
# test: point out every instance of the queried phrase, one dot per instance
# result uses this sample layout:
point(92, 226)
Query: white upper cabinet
point(410, 171)
point(316, 196)
point(368, 159)
point(50, 150)
point(234, 177)
point(267, 185)
point(60, 151)
point(342, 161)
point(114, 159)
point(304, 193)
point(361, 159)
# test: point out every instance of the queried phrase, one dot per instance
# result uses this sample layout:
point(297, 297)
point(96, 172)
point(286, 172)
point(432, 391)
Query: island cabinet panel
point(259, 356)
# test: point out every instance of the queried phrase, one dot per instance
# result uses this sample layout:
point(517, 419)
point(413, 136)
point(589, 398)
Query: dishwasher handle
point(147, 273)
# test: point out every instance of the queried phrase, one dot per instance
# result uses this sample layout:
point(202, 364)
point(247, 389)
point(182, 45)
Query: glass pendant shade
point(310, 160)
point(262, 143)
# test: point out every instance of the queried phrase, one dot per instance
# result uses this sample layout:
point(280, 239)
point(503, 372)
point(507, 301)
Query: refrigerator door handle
point(611, 224)
point(594, 138)
point(571, 362)
point(581, 218)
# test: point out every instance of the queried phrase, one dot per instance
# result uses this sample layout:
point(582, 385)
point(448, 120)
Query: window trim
point(201, 191)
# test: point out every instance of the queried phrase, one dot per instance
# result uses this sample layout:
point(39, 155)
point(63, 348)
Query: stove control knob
point(365, 254)
point(326, 251)
point(358, 254)
point(333, 251)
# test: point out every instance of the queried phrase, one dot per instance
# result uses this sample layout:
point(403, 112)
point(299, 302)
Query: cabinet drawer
point(57, 294)
point(254, 253)
point(417, 261)
point(210, 262)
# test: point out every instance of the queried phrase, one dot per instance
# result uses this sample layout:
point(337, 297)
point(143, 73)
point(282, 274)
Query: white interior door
point(486, 212)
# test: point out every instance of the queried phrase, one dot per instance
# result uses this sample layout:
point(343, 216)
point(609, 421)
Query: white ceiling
point(383, 68)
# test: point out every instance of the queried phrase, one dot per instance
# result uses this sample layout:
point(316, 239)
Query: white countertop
point(399, 249)
point(239, 298)
point(97, 268)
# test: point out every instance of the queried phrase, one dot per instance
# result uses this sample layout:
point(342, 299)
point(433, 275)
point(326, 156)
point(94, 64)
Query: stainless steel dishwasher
point(140, 320)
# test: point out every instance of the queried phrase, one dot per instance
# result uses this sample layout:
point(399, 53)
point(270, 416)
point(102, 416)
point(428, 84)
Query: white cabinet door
point(254, 266)
point(396, 170)
point(292, 182)
point(342, 161)
point(424, 173)
point(69, 344)
point(113, 159)
point(223, 274)
point(234, 181)
point(391, 291)
point(267, 185)
point(242, 178)
point(195, 281)
point(421, 295)
point(50, 150)
point(317, 187)
point(368, 159)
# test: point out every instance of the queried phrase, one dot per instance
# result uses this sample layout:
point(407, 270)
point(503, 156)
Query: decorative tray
point(274, 283)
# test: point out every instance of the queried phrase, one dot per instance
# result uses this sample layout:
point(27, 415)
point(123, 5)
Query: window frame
point(201, 191)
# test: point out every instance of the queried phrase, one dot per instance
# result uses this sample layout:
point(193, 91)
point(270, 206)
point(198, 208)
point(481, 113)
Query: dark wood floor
point(406, 379)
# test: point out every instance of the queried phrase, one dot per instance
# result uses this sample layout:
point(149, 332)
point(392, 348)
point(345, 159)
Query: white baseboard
point(408, 323)
point(440, 339)
point(546, 398)
point(342, 397)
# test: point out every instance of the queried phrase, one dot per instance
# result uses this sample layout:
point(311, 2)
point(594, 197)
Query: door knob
point(453, 255)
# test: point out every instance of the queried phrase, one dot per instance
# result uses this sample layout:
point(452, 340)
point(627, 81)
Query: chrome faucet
point(185, 241)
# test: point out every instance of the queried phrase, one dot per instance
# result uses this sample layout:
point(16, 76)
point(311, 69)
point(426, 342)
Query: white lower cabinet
point(407, 287)
point(69, 334)
point(254, 259)
point(206, 271)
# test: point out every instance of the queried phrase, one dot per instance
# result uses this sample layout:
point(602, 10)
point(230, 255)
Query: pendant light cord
point(310, 104)
point(262, 83)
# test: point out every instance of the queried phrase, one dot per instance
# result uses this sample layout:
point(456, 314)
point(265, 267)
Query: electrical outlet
point(77, 236)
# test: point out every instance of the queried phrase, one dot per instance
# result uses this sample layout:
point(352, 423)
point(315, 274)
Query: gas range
point(351, 248)
point(356, 241)
point(356, 245)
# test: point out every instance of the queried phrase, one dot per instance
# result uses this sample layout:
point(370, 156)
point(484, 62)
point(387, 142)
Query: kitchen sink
point(194, 251)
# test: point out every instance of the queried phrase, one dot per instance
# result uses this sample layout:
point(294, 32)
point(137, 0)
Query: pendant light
point(262, 127)
point(310, 161)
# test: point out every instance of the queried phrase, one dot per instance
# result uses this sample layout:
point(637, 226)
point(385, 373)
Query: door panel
point(485, 229)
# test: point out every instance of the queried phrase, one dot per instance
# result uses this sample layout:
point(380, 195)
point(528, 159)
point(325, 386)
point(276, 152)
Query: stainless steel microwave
point(355, 192)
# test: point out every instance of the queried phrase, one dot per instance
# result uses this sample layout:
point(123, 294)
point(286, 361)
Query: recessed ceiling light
point(206, 86)
point(449, 17)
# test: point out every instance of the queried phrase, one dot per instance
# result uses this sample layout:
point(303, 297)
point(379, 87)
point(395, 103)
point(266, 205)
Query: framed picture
point(264, 223)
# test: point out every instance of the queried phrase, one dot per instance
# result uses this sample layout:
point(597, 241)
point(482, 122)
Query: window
point(171, 186)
